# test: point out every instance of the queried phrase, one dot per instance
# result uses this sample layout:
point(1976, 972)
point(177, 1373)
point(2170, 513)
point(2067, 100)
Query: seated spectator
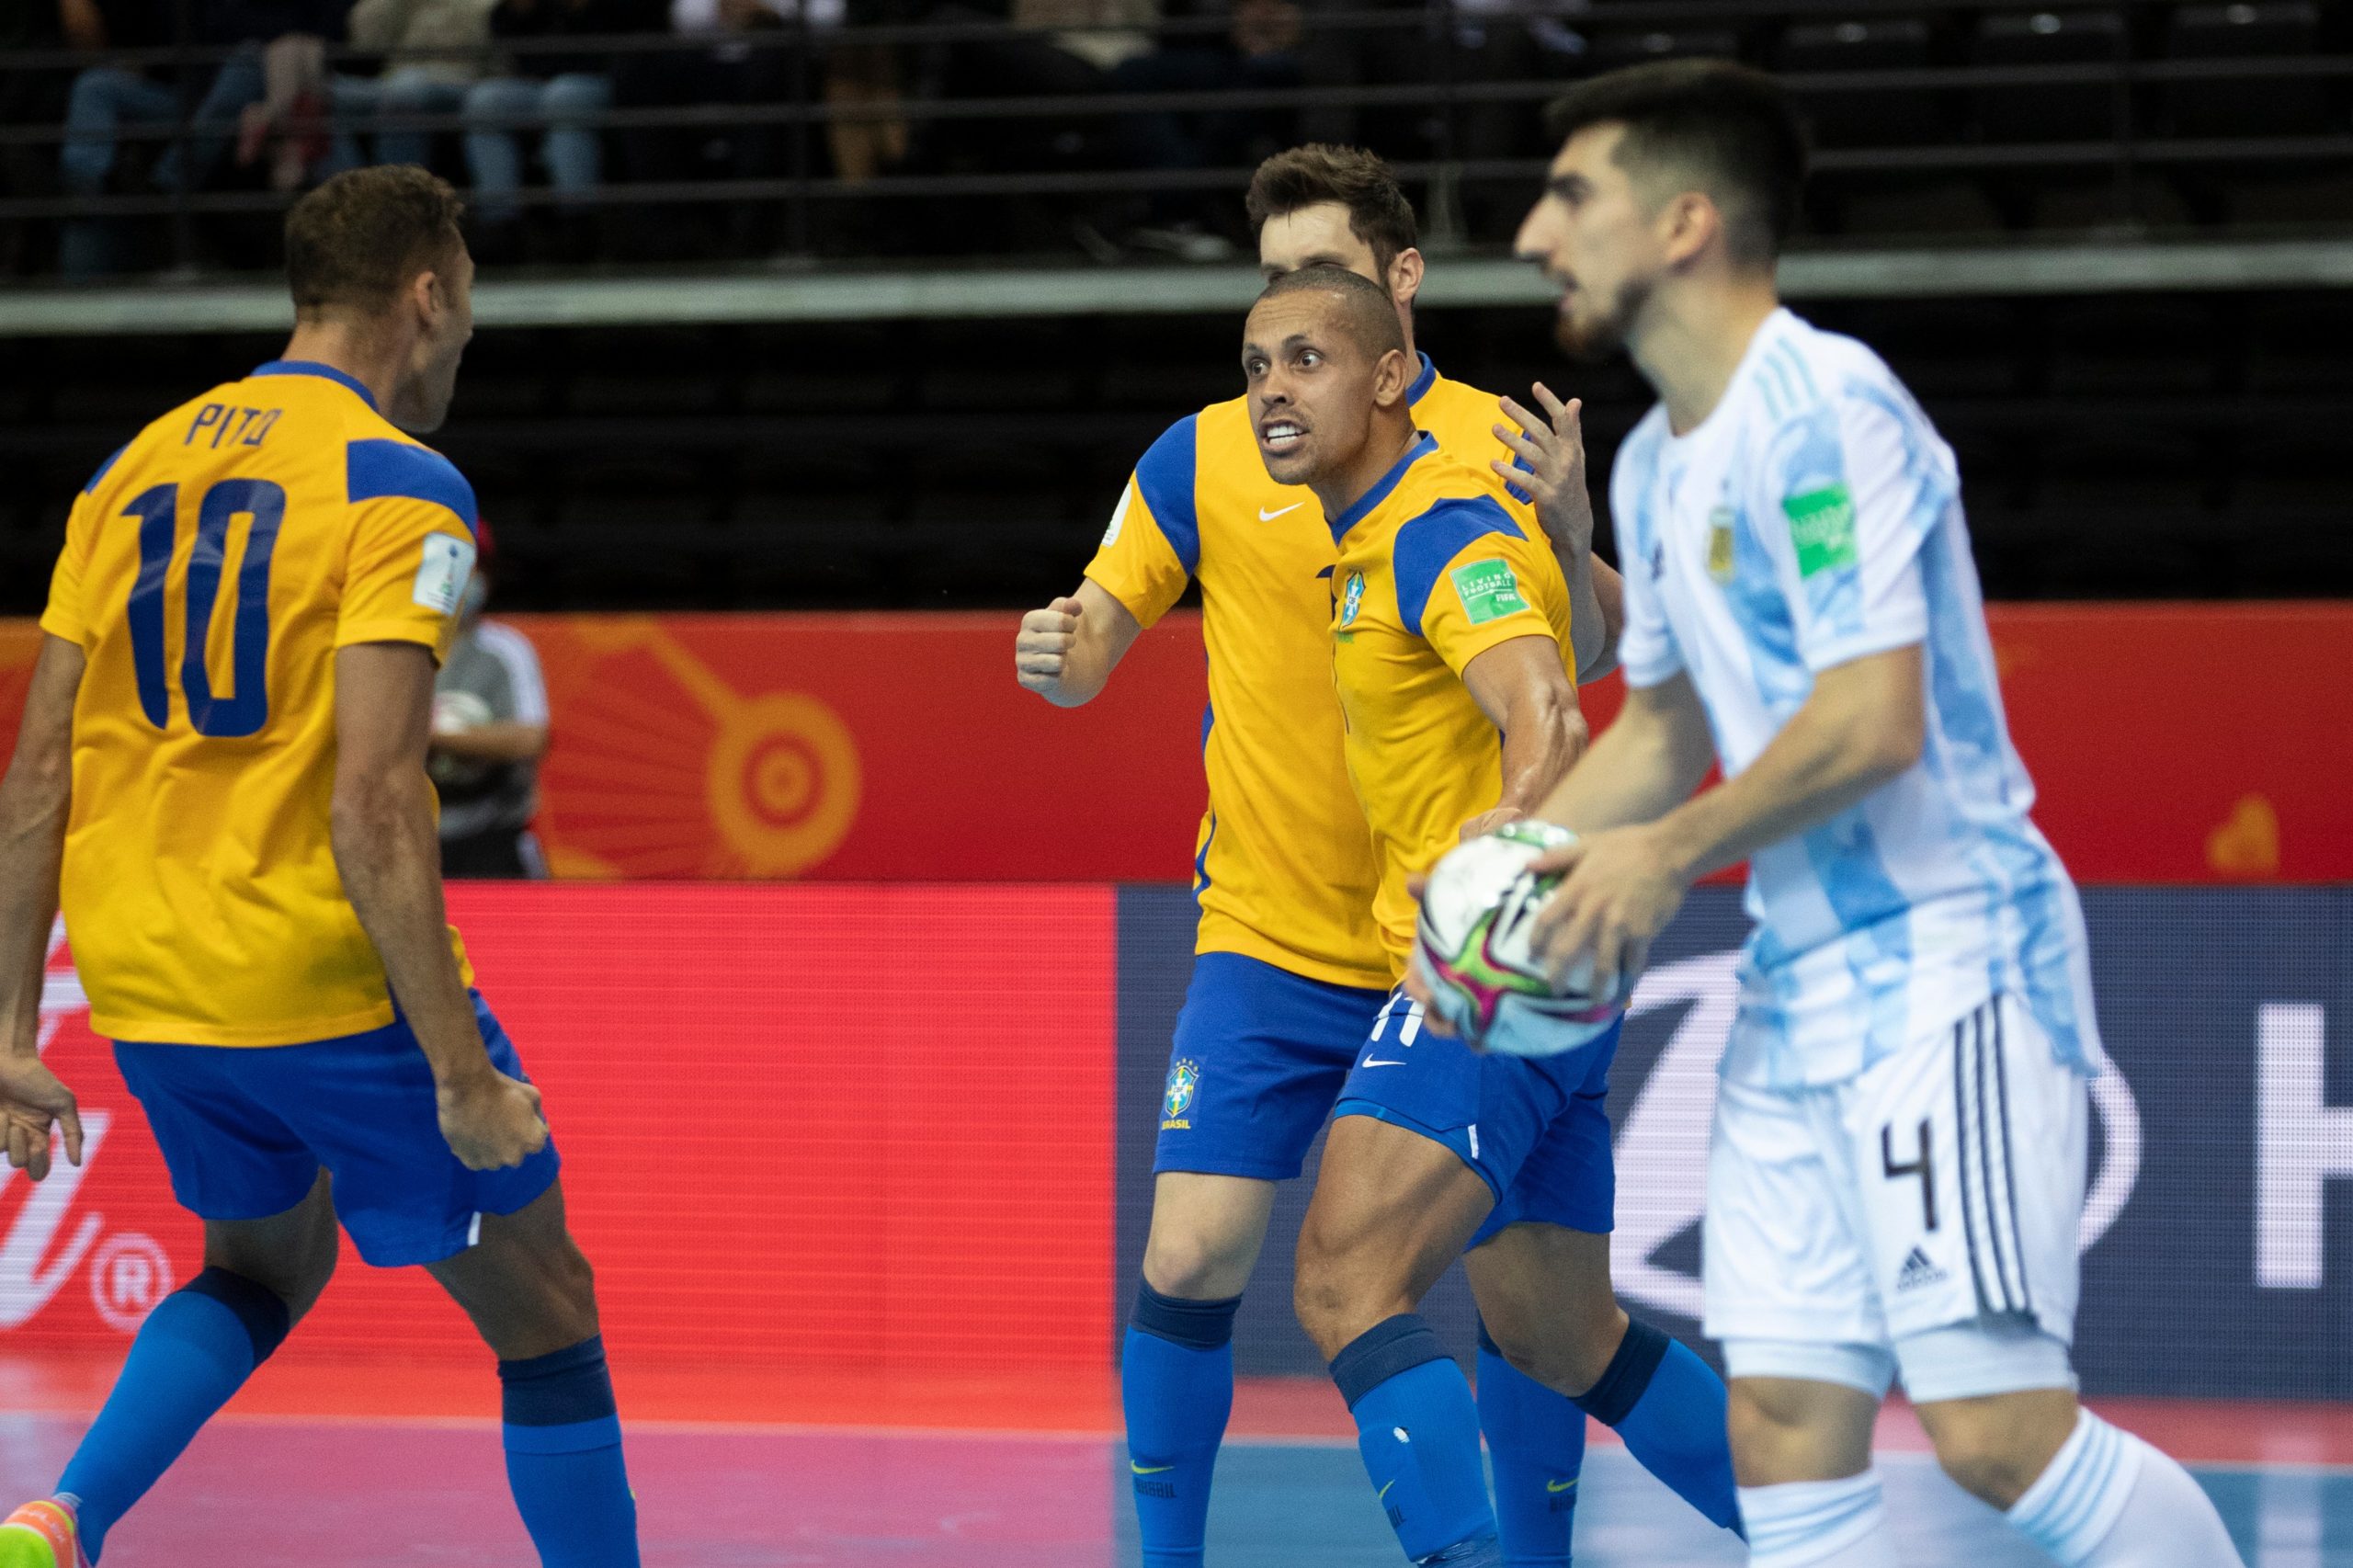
point(561, 96)
point(30, 97)
point(753, 63)
point(434, 53)
point(106, 98)
point(1054, 49)
point(1261, 51)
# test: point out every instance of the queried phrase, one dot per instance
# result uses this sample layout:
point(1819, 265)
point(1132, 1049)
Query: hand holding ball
point(1471, 950)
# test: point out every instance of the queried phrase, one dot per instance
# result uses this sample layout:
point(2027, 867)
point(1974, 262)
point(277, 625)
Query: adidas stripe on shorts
point(1943, 1186)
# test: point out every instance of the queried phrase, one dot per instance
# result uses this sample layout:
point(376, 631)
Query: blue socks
point(196, 1348)
point(1418, 1431)
point(564, 1458)
point(1669, 1407)
point(1177, 1380)
point(1536, 1441)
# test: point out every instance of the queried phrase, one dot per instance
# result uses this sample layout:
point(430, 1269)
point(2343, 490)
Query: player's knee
point(1988, 1460)
point(1326, 1298)
point(572, 1281)
point(1797, 1428)
point(1194, 1266)
point(1570, 1363)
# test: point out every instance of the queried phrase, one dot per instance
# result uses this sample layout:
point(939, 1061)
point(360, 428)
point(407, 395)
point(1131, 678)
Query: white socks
point(2109, 1500)
point(1817, 1524)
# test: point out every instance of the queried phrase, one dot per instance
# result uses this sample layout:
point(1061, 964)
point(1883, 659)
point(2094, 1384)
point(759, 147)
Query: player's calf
point(1176, 1361)
point(2088, 1493)
point(1392, 1210)
point(1544, 1293)
point(531, 1294)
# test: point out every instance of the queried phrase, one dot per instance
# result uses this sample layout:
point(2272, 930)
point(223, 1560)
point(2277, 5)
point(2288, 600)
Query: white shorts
point(1942, 1187)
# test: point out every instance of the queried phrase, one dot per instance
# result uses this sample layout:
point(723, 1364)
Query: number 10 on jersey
point(157, 510)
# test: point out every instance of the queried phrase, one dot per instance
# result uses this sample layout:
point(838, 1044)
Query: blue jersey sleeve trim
point(1424, 545)
point(1164, 475)
point(1422, 383)
point(1379, 492)
point(376, 468)
point(312, 368)
point(99, 477)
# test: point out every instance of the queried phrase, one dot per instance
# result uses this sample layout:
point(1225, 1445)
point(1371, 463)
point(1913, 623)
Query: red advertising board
point(2169, 744)
point(804, 1129)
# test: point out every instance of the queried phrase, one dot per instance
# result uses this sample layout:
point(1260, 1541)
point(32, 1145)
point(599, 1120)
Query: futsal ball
point(453, 714)
point(1472, 950)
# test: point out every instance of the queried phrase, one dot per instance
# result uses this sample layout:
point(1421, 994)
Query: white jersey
point(1812, 518)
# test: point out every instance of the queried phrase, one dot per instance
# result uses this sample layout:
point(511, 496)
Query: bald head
point(1361, 309)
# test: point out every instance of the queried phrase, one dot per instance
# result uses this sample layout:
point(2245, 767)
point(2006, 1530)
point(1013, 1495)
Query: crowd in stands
point(621, 128)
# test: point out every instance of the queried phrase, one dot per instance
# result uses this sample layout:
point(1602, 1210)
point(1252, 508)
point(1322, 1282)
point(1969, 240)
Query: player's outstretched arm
point(1066, 652)
point(35, 798)
point(389, 853)
point(1525, 694)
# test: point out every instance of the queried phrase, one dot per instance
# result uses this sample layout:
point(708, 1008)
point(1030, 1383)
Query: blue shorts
point(1259, 1057)
point(1536, 1129)
point(245, 1129)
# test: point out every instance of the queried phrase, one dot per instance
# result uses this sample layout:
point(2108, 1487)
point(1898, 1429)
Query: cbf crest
point(1184, 1083)
point(1352, 598)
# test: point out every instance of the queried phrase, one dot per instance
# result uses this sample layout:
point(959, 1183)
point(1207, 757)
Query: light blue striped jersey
point(1813, 518)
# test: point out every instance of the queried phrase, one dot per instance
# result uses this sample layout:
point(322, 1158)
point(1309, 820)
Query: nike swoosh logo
point(1559, 1487)
point(1149, 1469)
point(1369, 1061)
point(1267, 516)
point(1383, 1496)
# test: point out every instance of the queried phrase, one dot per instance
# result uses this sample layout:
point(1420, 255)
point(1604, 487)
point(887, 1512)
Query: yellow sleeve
point(1469, 577)
point(406, 574)
point(64, 615)
point(1154, 545)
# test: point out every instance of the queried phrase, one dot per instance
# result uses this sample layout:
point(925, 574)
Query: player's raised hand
point(1550, 471)
point(1041, 651)
point(492, 1123)
point(32, 1099)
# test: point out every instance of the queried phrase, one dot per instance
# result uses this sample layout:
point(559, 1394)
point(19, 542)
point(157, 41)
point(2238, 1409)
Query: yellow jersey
point(1434, 570)
point(1283, 865)
point(211, 571)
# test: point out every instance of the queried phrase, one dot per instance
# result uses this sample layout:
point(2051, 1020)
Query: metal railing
point(1447, 90)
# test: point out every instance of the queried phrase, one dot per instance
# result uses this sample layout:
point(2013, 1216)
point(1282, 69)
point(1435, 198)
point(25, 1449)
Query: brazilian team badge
point(1352, 598)
point(1184, 1083)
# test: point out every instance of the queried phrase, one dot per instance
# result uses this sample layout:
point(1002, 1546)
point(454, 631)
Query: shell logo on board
point(661, 769)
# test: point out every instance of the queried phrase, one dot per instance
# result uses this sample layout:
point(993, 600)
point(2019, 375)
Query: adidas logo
point(1919, 1272)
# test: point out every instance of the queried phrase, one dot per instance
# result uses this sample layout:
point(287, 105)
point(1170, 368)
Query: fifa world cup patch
point(1822, 523)
point(1118, 518)
point(1184, 1083)
point(1488, 589)
point(442, 576)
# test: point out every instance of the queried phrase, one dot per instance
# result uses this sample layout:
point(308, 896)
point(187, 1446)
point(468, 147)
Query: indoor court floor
point(358, 1469)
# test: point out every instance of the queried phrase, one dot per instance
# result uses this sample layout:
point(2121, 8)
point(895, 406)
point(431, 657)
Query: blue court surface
point(259, 1492)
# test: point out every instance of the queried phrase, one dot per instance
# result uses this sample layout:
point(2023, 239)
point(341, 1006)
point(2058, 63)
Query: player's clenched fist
point(492, 1123)
point(1041, 652)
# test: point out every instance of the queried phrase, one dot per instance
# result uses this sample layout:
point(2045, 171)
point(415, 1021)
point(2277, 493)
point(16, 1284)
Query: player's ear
point(1405, 276)
point(1688, 223)
point(1390, 378)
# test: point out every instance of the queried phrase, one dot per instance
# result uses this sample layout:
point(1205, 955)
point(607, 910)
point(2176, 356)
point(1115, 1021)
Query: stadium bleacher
point(2173, 441)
